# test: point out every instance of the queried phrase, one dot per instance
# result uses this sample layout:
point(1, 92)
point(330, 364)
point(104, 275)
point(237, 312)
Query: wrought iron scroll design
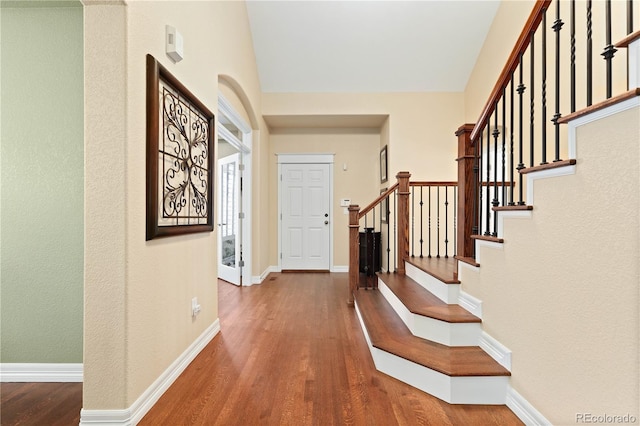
point(180, 131)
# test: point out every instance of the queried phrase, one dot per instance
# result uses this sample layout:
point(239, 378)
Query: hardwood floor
point(291, 352)
point(38, 404)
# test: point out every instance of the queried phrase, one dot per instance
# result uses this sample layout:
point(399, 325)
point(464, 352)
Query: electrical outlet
point(195, 307)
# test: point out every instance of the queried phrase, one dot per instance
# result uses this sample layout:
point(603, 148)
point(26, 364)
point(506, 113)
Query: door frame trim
point(305, 158)
point(245, 147)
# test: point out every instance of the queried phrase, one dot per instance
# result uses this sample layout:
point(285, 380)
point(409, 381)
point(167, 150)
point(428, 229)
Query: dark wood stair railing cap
point(377, 201)
point(625, 42)
point(601, 105)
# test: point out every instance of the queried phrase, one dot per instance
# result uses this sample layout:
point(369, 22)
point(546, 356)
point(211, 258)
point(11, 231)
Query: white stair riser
point(450, 334)
point(448, 293)
point(491, 390)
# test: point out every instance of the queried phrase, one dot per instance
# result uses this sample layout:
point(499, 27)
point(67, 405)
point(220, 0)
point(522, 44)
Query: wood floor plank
point(291, 352)
point(36, 404)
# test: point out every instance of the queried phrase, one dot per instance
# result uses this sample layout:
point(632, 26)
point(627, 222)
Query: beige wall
point(505, 30)
point(262, 201)
point(137, 293)
point(421, 126)
point(358, 149)
point(562, 294)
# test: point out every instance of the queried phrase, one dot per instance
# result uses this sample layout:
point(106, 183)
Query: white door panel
point(305, 204)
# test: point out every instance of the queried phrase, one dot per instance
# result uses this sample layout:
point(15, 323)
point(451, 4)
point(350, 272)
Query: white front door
point(306, 215)
point(229, 249)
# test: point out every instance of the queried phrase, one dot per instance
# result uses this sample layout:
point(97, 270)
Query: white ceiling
point(368, 46)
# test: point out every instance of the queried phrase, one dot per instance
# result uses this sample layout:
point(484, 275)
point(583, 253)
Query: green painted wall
point(42, 194)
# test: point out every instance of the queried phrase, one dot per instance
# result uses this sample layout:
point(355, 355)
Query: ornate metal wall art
point(180, 132)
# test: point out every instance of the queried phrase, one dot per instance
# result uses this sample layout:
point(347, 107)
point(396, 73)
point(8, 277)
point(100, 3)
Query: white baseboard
point(149, 397)
point(525, 411)
point(259, 279)
point(470, 303)
point(39, 372)
point(263, 276)
point(496, 350)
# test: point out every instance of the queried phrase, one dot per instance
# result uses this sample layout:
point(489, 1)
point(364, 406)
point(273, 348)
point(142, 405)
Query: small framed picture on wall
point(383, 164)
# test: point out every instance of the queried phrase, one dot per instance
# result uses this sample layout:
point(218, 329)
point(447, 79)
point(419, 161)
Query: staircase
point(417, 333)
point(420, 326)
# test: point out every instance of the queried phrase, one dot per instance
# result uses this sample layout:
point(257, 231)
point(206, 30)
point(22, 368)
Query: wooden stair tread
point(468, 260)
point(388, 333)
point(421, 301)
point(444, 269)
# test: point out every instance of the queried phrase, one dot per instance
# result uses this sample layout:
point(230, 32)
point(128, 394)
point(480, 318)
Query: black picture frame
point(180, 157)
point(383, 165)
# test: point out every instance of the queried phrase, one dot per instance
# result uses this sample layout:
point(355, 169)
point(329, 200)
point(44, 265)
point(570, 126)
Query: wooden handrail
point(377, 201)
point(512, 64)
point(433, 183)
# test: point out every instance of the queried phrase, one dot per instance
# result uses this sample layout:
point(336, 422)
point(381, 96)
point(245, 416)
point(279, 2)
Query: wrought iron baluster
point(573, 56)
point(429, 223)
point(446, 222)
point(438, 221)
point(511, 177)
point(504, 144)
point(589, 54)
point(531, 108)
point(543, 120)
point(609, 50)
point(413, 219)
point(557, 26)
point(521, 90)
point(477, 194)
point(629, 16)
point(421, 217)
point(495, 202)
point(487, 230)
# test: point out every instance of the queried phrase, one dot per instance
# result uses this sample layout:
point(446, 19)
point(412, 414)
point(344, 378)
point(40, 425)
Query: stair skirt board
point(450, 334)
point(448, 293)
point(489, 390)
point(470, 303)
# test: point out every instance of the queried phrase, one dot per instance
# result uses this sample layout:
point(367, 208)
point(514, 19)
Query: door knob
point(326, 215)
point(326, 222)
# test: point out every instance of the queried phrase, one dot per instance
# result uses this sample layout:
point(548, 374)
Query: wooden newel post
point(354, 250)
point(466, 191)
point(403, 219)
